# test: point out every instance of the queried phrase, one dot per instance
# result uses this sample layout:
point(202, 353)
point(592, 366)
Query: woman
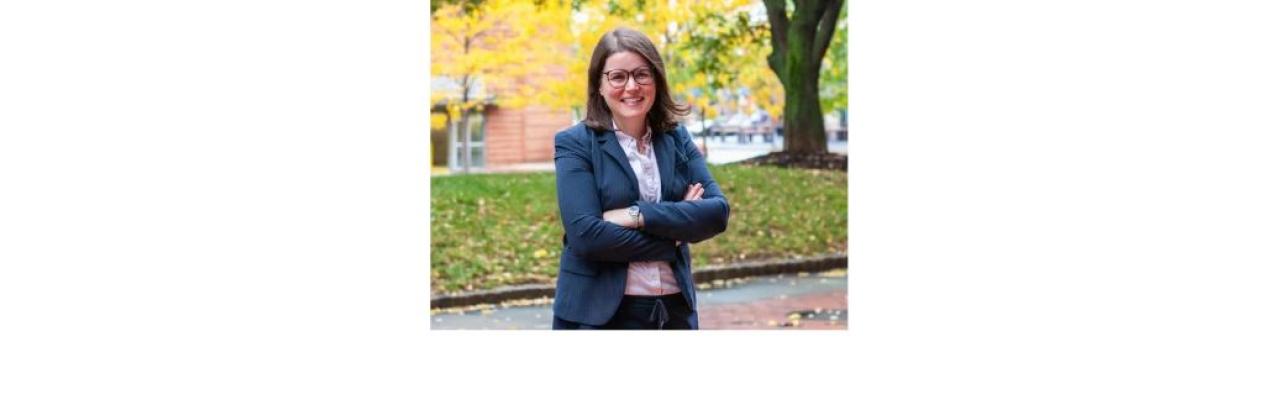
point(633, 192)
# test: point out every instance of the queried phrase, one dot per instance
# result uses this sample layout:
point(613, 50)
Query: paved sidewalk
point(796, 301)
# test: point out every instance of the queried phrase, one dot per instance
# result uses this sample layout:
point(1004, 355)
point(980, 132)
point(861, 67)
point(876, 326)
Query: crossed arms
point(594, 233)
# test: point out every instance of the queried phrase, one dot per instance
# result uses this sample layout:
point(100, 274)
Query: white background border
point(224, 205)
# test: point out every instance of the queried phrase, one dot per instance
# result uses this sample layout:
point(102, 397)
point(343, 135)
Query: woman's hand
point(694, 192)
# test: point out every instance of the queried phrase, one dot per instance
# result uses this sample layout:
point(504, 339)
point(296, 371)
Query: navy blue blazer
point(593, 176)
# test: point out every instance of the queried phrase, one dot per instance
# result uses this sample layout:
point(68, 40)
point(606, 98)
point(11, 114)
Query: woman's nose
point(631, 84)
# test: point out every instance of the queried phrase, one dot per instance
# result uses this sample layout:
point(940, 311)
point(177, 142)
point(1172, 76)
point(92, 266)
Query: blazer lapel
point(664, 149)
point(609, 143)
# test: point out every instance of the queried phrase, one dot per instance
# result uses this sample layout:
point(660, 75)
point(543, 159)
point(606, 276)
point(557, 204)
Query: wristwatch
point(634, 212)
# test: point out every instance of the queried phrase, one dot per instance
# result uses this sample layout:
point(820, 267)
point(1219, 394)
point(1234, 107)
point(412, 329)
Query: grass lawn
point(493, 230)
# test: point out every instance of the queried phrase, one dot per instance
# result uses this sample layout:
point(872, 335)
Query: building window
point(477, 143)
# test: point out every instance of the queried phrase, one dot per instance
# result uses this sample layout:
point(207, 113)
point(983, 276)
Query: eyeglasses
point(618, 78)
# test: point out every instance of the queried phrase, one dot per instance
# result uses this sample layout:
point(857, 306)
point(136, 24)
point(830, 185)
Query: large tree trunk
point(802, 116)
point(799, 43)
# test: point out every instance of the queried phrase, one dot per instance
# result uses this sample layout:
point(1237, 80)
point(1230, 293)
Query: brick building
point(501, 137)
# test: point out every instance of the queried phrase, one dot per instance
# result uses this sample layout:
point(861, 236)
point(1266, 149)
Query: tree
point(800, 42)
point(721, 51)
point(487, 48)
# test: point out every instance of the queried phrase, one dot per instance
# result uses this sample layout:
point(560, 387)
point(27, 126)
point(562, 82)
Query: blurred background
point(506, 75)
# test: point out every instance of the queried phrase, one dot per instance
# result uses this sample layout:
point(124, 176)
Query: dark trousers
point(643, 313)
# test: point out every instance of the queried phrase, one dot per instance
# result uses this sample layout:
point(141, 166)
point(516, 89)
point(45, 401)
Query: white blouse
point(646, 278)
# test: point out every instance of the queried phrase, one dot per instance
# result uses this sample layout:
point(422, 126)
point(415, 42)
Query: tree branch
point(826, 29)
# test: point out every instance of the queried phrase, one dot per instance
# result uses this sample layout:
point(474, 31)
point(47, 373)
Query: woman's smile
point(633, 98)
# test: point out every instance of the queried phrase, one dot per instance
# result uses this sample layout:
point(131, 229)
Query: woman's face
point(631, 100)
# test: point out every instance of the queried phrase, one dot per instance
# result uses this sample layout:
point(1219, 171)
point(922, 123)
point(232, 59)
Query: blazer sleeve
point(690, 221)
point(587, 234)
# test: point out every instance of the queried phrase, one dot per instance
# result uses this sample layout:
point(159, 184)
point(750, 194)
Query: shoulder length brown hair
point(662, 115)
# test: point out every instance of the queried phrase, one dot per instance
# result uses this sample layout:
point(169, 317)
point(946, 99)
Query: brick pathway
point(824, 310)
